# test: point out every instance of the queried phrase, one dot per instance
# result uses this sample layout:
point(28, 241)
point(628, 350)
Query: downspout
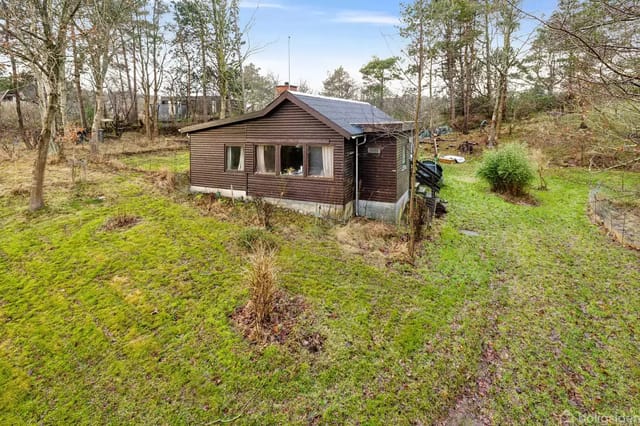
point(364, 140)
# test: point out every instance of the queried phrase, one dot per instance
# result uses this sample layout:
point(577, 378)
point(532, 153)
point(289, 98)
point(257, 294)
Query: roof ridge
point(331, 98)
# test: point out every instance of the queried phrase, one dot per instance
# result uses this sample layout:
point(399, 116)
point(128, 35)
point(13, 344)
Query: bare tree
point(151, 55)
point(37, 32)
point(505, 61)
point(16, 87)
point(100, 24)
point(416, 27)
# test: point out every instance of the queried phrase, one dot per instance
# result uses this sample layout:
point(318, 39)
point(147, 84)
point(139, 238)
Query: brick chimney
point(280, 88)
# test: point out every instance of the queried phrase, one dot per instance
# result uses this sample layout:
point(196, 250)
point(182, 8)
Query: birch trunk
point(45, 139)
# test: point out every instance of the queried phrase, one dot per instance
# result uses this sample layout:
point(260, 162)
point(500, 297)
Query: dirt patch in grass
point(121, 221)
point(378, 242)
point(520, 200)
point(470, 407)
point(286, 324)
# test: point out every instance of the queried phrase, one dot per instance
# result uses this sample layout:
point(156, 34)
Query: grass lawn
point(173, 161)
point(536, 315)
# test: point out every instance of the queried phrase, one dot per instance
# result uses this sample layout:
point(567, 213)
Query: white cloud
point(260, 5)
point(366, 17)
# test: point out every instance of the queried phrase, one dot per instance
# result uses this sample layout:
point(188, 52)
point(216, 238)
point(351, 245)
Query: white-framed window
point(320, 161)
point(266, 159)
point(404, 153)
point(234, 161)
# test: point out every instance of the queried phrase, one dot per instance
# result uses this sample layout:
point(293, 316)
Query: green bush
point(251, 238)
point(507, 169)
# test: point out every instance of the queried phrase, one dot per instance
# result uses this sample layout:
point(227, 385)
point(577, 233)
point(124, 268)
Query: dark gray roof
point(346, 114)
point(347, 117)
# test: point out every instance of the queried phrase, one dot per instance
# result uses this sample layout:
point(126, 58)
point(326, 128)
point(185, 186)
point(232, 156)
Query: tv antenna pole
point(289, 61)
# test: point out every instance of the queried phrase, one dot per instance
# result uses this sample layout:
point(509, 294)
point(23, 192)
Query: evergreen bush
point(507, 169)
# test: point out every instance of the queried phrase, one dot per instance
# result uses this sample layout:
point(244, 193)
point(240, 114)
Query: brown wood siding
point(378, 178)
point(349, 170)
point(288, 124)
point(289, 121)
point(207, 158)
point(403, 174)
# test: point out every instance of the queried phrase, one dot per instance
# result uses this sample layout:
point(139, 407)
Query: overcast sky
point(328, 33)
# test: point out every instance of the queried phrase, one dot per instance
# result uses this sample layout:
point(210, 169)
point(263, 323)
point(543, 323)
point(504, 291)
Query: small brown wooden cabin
point(300, 152)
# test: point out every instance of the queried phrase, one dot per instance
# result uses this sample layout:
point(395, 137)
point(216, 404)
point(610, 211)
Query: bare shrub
point(7, 147)
point(30, 115)
point(542, 164)
point(78, 170)
point(165, 180)
point(262, 277)
point(264, 210)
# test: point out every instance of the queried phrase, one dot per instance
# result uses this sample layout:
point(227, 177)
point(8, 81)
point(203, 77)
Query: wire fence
point(621, 223)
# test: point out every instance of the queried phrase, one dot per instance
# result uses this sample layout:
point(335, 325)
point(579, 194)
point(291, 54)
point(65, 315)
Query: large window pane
point(235, 158)
point(321, 161)
point(404, 147)
point(265, 159)
point(291, 158)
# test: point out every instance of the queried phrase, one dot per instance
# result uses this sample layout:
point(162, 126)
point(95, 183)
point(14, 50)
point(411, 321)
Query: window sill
point(321, 177)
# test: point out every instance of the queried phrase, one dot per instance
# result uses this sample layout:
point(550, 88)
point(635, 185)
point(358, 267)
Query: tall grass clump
point(261, 277)
point(507, 170)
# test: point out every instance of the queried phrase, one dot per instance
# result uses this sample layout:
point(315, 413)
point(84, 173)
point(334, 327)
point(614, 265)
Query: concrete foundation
point(386, 212)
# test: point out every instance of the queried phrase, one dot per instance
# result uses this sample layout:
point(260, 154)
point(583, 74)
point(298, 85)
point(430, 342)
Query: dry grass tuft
point(262, 276)
point(379, 242)
point(20, 192)
point(272, 316)
point(165, 180)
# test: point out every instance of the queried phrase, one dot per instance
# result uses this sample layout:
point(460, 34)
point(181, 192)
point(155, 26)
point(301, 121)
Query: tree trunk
point(147, 114)
point(129, 106)
point(76, 79)
point(496, 117)
point(15, 81)
point(466, 91)
point(450, 72)
point(134, 92)
point(188, 104)
point(60, 128)
point(97, 119)
point(487, 51)
point(36, 199)
point(203, 80)
point(413, 233)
